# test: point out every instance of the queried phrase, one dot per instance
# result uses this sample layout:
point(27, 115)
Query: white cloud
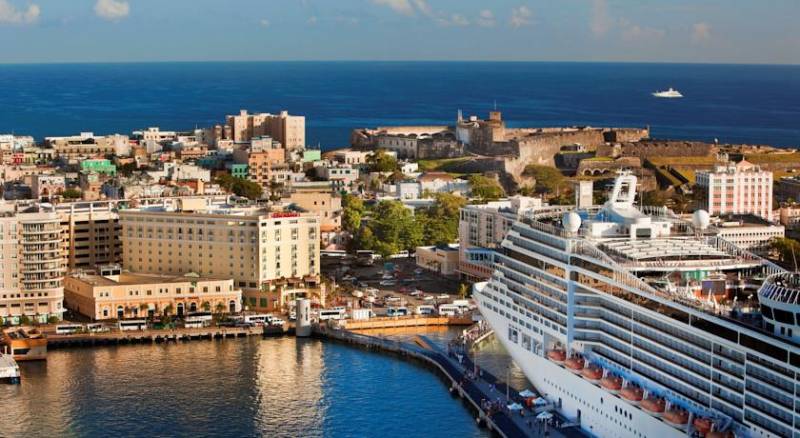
point(601, 21)
point(112, 10)
point(701, 32)
point(9, 14)
point(264, 22)
point(400, 6)
point(520, 16)
point(486, 19)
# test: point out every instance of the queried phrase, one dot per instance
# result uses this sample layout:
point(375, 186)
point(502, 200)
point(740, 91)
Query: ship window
point(714, 329)
point(783, 316)
point(766, 311)
point(794, 359)
point(763, 347)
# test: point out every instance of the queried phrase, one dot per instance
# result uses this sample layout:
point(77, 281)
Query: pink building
point(741, 188)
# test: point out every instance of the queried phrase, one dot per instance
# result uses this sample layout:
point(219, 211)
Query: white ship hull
point(601, 413)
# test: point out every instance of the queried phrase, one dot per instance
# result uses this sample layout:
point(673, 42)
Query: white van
point(397, 311)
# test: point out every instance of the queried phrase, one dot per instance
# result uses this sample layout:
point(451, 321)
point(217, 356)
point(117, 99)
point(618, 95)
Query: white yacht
point(669, 94)
point(639, 324)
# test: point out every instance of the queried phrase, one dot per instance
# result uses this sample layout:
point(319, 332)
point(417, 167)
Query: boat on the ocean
point(25, 343)
point(669, 94)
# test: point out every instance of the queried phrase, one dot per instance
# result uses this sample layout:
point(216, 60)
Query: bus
point(449, 310)
point(132, 324)
point(68, 329)
point(336, 313)
point(425, 310)
point(96, 327)
point(261, 319)
point(198, 320)
point(397, 311)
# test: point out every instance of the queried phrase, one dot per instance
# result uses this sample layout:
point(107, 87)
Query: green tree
point(549, 180)
point(786, 250)
point(53, 320)
point(352, 212)
point(127, 169)
point(219, 308)
point(380, 161)
point(24, 320)
point(206, 306)
point(485, 188)
point(248, 189)
point(440, 221)
point(391, 229)
point(71, 194)
point(275, 190)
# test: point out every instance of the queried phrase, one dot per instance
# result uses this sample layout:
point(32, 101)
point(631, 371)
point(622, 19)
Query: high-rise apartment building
point(289, 130)
point(31, 263)
point(741, 188)
point(272, 256)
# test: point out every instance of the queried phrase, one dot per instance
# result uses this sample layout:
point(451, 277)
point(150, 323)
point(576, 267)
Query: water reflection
point(239, 388)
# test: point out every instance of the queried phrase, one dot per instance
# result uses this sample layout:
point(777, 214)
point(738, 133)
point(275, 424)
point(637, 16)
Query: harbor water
point(239, 388)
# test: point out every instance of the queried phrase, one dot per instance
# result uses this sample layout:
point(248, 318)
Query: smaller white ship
point(670, 94)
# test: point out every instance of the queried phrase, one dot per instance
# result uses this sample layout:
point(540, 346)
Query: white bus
point(260, 319)
point(336, 313)
point(198, 320)
point(132, 324)
point(449, 310)
point(68, 329)
point(425, 310)
point(397, 311)
point(96, 327)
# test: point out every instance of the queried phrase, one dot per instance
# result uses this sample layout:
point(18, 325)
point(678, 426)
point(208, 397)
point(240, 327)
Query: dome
point(571, 222)
point(701, 219)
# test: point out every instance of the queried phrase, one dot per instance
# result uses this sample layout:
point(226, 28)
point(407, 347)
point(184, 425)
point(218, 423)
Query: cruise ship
point(637, 323)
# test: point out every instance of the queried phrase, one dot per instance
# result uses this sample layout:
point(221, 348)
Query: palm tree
point(144, 307)
point(206, 306)
point(169, 309)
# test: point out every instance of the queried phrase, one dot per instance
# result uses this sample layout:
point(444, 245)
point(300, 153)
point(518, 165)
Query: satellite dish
point(571, 222)
point(701, 219)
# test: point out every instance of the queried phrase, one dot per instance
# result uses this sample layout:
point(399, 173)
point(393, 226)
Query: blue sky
point(737, 31)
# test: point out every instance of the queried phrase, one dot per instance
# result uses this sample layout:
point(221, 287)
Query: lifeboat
point(676, 417)
point(632, 393)
point(575, 364)
point(702, 425)
point(593, 373)
point(654, 405)
point(611, 383)
point(557, 355)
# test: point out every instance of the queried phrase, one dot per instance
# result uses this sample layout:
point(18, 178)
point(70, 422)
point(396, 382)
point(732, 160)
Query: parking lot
point(400, 283)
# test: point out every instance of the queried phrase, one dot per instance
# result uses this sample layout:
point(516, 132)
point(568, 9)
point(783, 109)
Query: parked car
point(387, 283)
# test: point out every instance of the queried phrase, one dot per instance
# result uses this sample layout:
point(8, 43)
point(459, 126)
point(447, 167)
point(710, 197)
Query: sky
point(707, 31)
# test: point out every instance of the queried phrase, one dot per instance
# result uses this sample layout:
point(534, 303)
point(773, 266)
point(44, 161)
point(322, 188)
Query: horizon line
point(475, 61)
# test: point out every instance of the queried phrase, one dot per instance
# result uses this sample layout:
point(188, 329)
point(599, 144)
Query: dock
point(404, 321)
point(9, 370)
point(158, 336)
point(474, 390)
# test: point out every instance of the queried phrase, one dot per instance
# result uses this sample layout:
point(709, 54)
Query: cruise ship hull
point(600, 412)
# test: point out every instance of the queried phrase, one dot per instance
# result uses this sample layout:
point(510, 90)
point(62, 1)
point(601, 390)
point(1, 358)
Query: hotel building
point(86, 145)
point(272, 256)
point(128, 295)
point(289, 130)
point(741, 188)
point(31, 263)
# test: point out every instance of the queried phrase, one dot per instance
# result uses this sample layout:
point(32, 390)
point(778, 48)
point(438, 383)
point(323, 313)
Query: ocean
point(755, 104)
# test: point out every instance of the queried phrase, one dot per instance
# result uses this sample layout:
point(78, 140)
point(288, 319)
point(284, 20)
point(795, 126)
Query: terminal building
point(120, 295)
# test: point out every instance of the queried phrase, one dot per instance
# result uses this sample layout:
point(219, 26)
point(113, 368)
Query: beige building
point(31, 263)
point(442, 259)
point(87, 145)
point(129, 295)
point(272, 256)
point(289, 130)
point(326, 205)
point(91, 234)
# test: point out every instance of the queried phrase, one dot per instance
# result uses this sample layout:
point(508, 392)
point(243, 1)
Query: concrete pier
point(157, 336)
